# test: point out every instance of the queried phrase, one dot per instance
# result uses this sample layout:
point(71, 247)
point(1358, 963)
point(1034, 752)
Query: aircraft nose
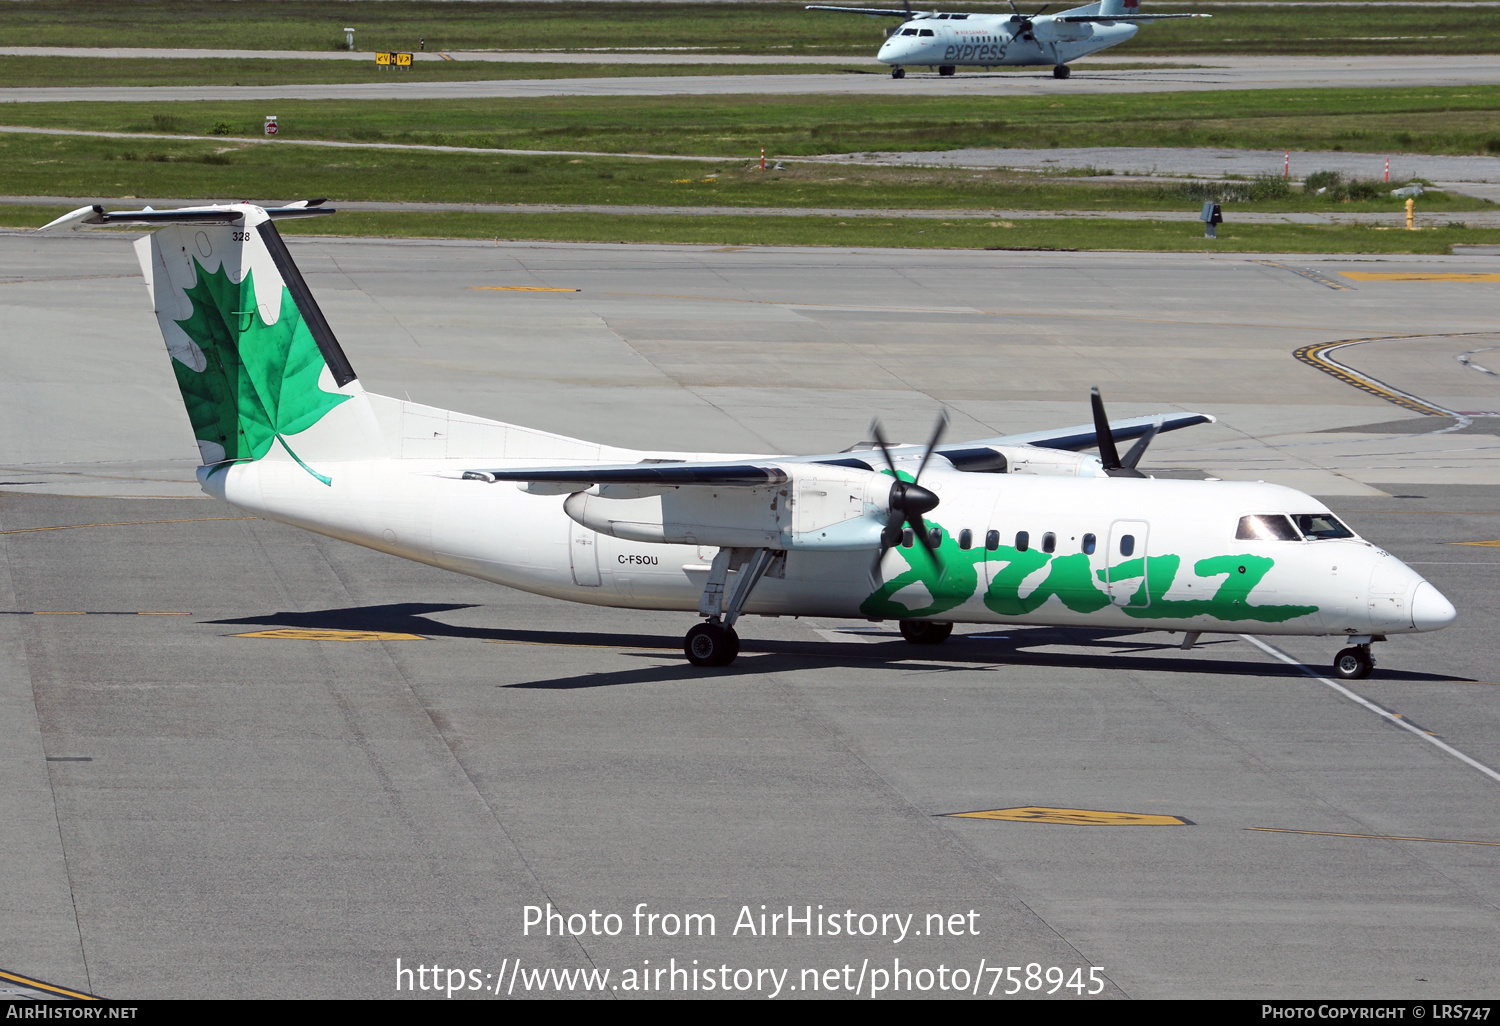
point(1430, 609)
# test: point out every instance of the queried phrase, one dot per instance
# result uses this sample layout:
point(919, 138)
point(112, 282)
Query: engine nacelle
point(821, 507)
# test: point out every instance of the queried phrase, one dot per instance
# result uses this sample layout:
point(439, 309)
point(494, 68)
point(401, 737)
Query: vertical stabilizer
point(260, 371)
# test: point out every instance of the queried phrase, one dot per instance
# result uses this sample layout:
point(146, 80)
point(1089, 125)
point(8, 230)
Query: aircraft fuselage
point(1015, 548)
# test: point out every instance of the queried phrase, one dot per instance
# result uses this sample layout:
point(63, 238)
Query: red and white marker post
point(1286, 168)
point(762, 158)
point(1387, 169)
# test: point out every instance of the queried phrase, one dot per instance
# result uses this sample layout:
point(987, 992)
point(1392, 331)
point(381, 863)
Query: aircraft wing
point(1082, 436)
point(1127, 17)
point(873, 12)
point(664, 474)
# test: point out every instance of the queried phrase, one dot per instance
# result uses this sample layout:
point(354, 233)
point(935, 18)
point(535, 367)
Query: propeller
point(1109, 456)
point(909, 501)
point(1022, 23)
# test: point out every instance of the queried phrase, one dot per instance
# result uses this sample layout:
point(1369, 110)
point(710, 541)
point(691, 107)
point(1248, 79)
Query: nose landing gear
point(898, 72)
point(1354, 663)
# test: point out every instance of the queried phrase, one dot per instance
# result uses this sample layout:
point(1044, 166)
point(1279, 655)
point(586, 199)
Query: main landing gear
point(898, 72)
point(1061, 71)
point(714, 643)
point(925, 632)
point(947, 70)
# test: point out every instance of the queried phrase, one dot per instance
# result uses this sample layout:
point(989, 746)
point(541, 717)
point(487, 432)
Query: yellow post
point(1411, 206)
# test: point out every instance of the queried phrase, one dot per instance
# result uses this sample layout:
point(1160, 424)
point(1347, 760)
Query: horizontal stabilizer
point(96, 216)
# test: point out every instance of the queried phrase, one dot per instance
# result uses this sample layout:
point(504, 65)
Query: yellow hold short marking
point(1420, 276)
point(1072, 817)
point(305, 634)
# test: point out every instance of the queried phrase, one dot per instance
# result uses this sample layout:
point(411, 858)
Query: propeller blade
point(937, 433)
point(885, 450)
point(1139, 448)
point(1038, 14)
point(1015, 8)
point(1109, 456)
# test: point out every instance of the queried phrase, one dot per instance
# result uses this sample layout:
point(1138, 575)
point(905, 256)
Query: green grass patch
point(1459, 119)
point(760, 26)
point(908, 233)
point(87, 167)
point(261, 71)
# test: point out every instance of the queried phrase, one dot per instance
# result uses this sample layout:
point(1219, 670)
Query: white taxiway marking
point(1387, 716)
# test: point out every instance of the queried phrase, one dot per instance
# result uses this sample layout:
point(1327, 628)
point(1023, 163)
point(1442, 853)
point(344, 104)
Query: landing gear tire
point(946, 70)
point(1353, 664)
point(925, 632)
point(898, 72)
point(1061, 71)
point(710, 644)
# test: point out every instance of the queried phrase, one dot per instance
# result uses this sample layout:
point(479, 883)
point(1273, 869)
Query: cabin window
point(992, 540)
point(935, 537)
point(1321, 525)
point(1023, 541)
point(1088, 544)
point(925, 32)
point(907, 538)
point(908, 32)
point(1127, 544)
point(958, 17)
point(1266, 527)
point(1049, 542)
point(966, 539)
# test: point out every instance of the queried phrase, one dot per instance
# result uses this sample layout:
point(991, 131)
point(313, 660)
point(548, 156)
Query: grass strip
point(760, 26)
point(265, 71)
point(83, 166)
point(1454, 119)
point(909, 233)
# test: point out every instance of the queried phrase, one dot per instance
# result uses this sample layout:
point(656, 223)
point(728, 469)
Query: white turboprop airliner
point(1018, 529)
point(948, 41)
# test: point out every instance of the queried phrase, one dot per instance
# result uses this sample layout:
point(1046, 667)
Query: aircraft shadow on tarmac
point(1104, 650)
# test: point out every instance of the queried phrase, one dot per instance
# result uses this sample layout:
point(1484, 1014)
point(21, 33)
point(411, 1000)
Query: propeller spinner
point(909, 501)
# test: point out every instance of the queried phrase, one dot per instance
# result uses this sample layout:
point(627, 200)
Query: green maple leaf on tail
point(261, 381)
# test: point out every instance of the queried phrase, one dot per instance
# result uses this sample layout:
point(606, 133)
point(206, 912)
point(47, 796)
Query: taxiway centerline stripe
point(121, 523)
point(50, 988)
point(1389, 717)
point(1372, 837)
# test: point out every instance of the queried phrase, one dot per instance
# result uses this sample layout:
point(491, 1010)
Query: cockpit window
point(908, 32)
point(1321, 525)
point(958, 17)
point(1266, 527)
point(925, 32)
